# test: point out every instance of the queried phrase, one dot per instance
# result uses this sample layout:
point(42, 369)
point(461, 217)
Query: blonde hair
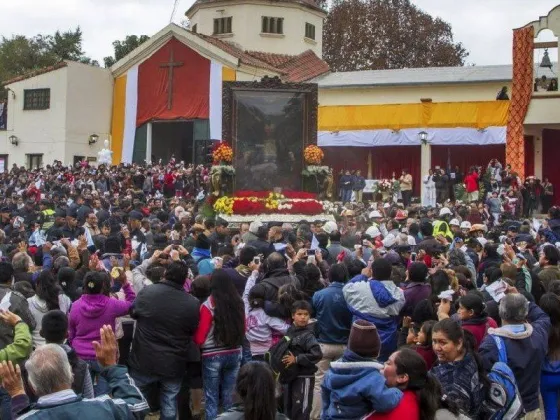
point(453, 280)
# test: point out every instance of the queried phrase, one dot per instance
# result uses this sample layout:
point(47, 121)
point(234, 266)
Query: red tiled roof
point(303, 67)
point(244, 57)
point(36, 72)
point(292, 68)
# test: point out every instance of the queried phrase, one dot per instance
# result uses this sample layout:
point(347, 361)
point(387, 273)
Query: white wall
point(90, 100)
point(543, 111)
point(465, 92)
point(37, 131)
point(246, 26)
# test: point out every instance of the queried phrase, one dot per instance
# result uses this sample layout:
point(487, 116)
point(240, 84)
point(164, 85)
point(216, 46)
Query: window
point(3, 163)
point(34, 161)
point(272, 25)
point(36, 99)
point(309, 31)
point(194, 28)
point(222, 26)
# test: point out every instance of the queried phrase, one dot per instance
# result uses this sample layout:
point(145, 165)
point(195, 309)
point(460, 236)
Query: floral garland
point(273, 203)
point(222, 153)
point(313, 155)
point(285, 194)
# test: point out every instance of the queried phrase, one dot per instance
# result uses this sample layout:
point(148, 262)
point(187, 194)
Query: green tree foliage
point(20, 54)
point(122, 48)
point(387, 34)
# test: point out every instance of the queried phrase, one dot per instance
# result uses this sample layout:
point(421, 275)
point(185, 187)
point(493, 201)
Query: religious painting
point(269, 125)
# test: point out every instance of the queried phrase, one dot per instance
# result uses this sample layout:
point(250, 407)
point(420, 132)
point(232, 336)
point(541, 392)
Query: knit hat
point(364, 339)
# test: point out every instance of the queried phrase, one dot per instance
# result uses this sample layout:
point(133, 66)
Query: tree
point(122, 48)
point(20, 55)
point(387, 34)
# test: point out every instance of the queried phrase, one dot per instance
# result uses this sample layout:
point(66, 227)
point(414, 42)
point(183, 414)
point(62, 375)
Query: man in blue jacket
point(376, 299)
point(524, 331)
point(334, 321)
point(50, 375)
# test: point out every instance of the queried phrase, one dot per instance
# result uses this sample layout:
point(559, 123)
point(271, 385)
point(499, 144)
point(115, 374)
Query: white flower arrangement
point(314, 170)
point(222, 169)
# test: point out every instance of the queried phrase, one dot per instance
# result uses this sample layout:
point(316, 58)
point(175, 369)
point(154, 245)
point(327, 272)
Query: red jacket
point(407, 409)
point(471, 182)
point(479, 327)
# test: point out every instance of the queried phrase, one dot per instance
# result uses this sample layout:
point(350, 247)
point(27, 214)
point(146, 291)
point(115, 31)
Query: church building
point(165, 98)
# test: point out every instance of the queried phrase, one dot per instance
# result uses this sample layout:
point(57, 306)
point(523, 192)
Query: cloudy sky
point(484, 26)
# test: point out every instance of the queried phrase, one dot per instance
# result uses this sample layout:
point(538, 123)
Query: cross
point(170, 66)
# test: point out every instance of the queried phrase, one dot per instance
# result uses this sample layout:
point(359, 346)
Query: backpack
point(274, 358)
point(503, 401)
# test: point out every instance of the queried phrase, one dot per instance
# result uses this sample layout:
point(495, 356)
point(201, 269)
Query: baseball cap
point(330, 227)
point(482, 241)
point(372, 232)
point(444, 211)
point(466, 225)
point(389, 241)
point(454, 222)
point(375, 214)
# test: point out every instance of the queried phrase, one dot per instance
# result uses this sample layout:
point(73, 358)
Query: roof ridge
point(35, 72)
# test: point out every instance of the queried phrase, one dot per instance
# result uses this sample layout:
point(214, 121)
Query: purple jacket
point(89, 313)
point(414, 293)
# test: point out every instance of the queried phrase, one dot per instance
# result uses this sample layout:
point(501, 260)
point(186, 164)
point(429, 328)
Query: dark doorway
point(551, 157)
point(172, 139)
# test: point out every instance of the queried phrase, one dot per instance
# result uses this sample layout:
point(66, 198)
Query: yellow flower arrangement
point(224, 205)
point(223, 153)
point(313, 155)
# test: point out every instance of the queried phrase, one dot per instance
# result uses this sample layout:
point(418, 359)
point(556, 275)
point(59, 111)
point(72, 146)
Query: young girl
point(424, 343)
point(261, 328)
point(472, 314)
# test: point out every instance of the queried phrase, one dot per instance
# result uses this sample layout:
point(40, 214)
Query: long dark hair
point(229, 311)
point(256, 387)
point(454, 332)
point(473, 301)
point(427, 388)
point(47, 289)
point(550, 304)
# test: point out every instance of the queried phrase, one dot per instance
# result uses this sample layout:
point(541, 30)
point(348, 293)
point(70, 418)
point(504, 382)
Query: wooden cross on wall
point(170, 66)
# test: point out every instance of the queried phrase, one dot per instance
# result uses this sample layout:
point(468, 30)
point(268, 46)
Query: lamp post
point(93, 139)
point(423, 136)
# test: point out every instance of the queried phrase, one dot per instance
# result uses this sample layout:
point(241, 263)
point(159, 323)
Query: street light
point(93, 139)
point(423, 136)
point(14, 140)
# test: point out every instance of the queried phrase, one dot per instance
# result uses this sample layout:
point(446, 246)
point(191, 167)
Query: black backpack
point(274, 357)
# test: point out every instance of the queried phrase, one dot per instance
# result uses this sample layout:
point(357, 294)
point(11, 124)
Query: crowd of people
point(119, 297)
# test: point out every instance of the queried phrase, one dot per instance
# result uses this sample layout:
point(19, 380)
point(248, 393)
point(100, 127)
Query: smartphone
point(521, 256)
point(256, 260)
point(413, 256)
point(311, 253)
point(311, 259)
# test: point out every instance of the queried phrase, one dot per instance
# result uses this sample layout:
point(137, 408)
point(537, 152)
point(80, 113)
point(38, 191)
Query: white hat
point(330, 227)
point(482, 241)
point(373, 232)
point(444, 211)
point(454, 222)
point(389, 241)
point(375, 214)
point(386, 205)
point(466, 225)
point(254, 226)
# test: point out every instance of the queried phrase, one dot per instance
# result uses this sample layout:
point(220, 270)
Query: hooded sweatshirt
point(38, 308)
point(354, 387)
point(89, 314)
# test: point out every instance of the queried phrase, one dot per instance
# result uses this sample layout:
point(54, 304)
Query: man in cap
point(455, 226)
point(441, 226)
point(71, 230)
point(55, 231)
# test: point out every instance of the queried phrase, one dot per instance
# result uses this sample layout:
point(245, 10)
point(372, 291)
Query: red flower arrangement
point(302, 195)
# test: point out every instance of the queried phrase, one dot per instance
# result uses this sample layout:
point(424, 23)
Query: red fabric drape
point(551, 157)
point(385, 161)
point(191, 85)
point(529, 155)
point(521, 92)
point(467, 156)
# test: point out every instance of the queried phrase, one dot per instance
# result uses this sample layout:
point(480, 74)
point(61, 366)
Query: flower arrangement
point(384, 186)
point(313, 155)
point(315, 170)
point(272, 203)
point(222, 153)
point(222, 169)
point(285, 194)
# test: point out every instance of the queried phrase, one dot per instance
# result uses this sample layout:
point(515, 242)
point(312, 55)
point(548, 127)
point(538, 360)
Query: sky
point(483, 26)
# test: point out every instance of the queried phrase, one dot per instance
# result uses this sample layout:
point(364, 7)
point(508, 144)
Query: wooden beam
point(549, 44)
